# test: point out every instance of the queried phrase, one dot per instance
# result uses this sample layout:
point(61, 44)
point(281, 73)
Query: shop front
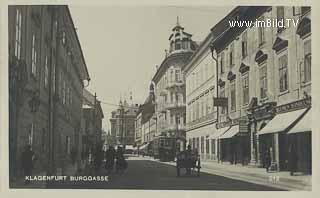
point(235, 146)
point(286, 139)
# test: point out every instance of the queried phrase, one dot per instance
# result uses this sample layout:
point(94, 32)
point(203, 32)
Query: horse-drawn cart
point(188, 160)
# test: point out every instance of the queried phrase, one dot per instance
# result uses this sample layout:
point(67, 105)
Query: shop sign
point(230, 122)
point(300, 104)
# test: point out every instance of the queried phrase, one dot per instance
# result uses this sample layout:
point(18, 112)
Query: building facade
point(47, 70)
point(170, 88)
point(146, 123)
point(92, 116)
point(264, 75)
point(200, 91)
point(123, 123)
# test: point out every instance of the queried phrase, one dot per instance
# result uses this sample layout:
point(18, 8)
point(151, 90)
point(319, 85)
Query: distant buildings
point(146, 121)
point(92, 116)
point(123, 123)
point(46, 75)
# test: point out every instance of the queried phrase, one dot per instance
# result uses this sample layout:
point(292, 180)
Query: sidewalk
point(281, 180)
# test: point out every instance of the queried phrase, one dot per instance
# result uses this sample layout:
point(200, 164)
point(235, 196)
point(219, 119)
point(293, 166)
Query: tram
point(164, 148)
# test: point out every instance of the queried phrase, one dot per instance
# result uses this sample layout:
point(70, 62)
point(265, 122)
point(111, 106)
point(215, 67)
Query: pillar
point(253, 160)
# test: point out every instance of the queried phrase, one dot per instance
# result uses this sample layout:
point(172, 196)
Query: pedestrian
point(121, 163)
point(27, 162)
point(189, 160)
point(293, 160)
point(267, 157)
point(110, 157)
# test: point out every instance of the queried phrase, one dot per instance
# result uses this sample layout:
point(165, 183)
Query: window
point(33, 56)
point(197, 109)
point(233, 95)
point(306, 67)
point(263, 81)
point(17, 47)
point(261, 37)
point(171, 118)
point(222, 63)
point(280, 16)
point(222, 95)
point(185, 45)
point(178, 45)
point(305, 9)
point(283, 72)
point(244, 45)
point(177, 75)
point(197, 143)
point(231, 55)
point(171, 75)
point(193, 143)
point(202, 144)
point(46, 72)
point(245, 89)
point(63, 37)
point(30, 135)
point(213, 146)
point(207, 146)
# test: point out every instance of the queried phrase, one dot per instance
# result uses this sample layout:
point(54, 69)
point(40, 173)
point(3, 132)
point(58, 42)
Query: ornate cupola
point(180, 40)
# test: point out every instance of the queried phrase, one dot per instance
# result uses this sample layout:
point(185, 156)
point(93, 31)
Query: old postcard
point(160, 96)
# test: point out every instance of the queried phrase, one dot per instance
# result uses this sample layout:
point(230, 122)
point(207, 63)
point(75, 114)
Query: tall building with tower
point(170, 91)
point(123, 123)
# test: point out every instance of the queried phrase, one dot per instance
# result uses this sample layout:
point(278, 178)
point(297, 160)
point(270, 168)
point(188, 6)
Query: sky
point(123, 44)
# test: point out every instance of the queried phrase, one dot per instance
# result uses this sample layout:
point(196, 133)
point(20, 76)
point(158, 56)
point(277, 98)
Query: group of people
point(112, 157)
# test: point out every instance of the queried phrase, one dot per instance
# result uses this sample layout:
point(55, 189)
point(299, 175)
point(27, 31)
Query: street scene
point(187, 98)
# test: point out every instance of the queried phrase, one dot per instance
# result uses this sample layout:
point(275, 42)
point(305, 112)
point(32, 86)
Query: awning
point(303, 125)
point(219, 132)
point(281, 122)
point(143, 146)
point(231, 132)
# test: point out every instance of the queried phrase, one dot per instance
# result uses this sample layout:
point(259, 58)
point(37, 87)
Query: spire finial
point(178, 24)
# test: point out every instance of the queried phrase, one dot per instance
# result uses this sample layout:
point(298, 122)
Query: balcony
point(175, 105)
point(175, 84)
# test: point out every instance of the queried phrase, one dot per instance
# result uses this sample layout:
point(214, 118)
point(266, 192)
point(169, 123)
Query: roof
point(200, 49)
point(222, 30)
point(86, 77)
point(184, 56)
